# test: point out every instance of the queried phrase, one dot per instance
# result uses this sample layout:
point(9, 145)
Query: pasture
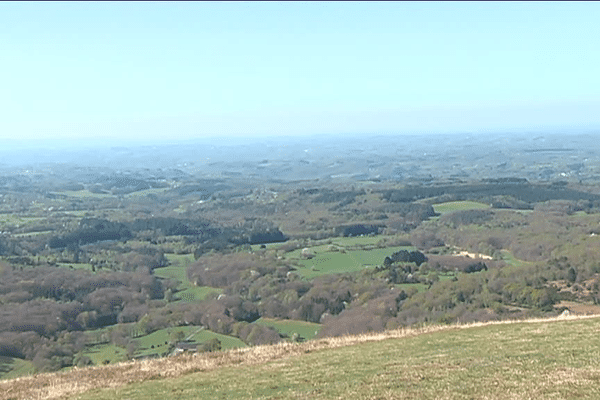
point(451, 206)
point(328, 261)
point(306, 330)
point(511, 260)
point(105, 353)
point(158, 342)
point(16, 221)
point(11, 367)
point(146, 192)
point(83, 194)
point(154, 344)
point(177, 270)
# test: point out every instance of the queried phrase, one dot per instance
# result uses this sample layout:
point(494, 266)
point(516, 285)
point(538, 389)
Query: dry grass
point(579, 308)
point(77, 381)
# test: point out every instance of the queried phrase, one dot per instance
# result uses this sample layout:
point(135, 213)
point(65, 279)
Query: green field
point(538, 359)
point(344, 242)
point(356, 241)
point(177, 266)
point(510, 259)
point(18, 221)
point(78, 214)
point(331, 257)
point(83, 194)
point(33, 233)
point(421, 287)
point(196, 293)
point(105, 352)
point(177, 270)
point(451, 206)
point(306, 330)
point(146, 192)
point(160, 340)
point(332, 262)
point(193, 333)
point(11, 367)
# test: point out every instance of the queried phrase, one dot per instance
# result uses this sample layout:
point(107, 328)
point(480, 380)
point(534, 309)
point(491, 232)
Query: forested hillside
point(100, 266)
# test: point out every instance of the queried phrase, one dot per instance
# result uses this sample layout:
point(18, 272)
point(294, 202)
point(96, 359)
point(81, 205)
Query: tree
point(131, 348)
point(213, 344)
point(82, 360)
point(177, 336)
point(387, 262)
point(571, 275)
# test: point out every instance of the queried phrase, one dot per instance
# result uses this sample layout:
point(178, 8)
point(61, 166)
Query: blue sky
point(193, 69)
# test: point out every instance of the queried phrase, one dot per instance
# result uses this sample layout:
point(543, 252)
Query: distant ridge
point(547, 150)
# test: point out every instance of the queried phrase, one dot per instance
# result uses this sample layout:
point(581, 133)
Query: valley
point(101, 265)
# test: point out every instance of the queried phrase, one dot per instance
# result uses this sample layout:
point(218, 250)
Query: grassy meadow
point(451, 206)
point(11, 367)
point(545, 358)
point(177, 270)
point(155, 343)
point(84, 193)
point(306, 330)
point(333, 259)
point(105, 353)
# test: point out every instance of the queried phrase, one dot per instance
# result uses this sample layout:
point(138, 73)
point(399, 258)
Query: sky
point(181, 70)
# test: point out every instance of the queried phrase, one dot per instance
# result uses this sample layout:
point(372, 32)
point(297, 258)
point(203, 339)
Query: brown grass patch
point(579, 308)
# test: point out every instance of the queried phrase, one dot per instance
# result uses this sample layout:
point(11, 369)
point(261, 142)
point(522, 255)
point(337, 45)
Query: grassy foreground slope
point(550, 358)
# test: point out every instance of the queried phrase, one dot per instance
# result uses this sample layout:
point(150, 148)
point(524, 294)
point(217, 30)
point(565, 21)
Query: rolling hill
point(541, 358)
